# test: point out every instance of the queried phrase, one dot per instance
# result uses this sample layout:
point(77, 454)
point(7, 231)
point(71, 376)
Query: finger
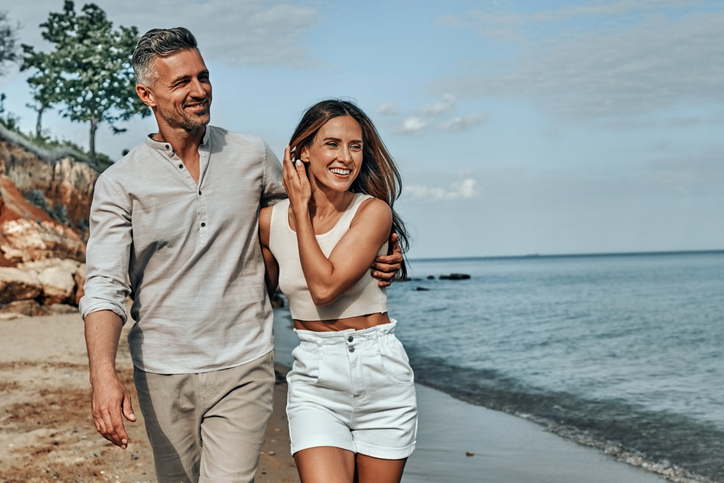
point(301, 170)
point(128, 408)
point(385, 276)
point(120, 437)
point(388, 263)
point(396, 247)
point(98, 423)
point(108, 429)
point(395, 258)
point(383, 283)
point(97, 418)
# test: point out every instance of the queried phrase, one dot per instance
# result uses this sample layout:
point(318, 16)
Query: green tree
point(44, 83)
point(89, 72)
point(8, 41)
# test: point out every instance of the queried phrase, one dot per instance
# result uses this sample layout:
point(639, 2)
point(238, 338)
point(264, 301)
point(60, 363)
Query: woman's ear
point(304, 154)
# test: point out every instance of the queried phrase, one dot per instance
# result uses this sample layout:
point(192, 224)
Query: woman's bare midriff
point(356, 323)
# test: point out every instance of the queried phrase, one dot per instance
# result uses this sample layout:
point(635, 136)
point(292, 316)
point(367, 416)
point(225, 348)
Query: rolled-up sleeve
point(108, 251)
point(272, 189)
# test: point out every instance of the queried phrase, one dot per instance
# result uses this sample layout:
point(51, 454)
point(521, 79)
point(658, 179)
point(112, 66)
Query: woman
point(351, 402)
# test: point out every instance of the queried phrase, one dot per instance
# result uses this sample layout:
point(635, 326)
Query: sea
point(622, 352)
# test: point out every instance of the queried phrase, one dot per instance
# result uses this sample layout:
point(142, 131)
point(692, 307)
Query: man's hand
point(110, 400)
point(385, 267)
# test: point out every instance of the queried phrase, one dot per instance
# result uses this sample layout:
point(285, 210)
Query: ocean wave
point(674, 446)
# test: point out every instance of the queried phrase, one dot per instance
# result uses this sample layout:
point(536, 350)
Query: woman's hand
point(296, 183)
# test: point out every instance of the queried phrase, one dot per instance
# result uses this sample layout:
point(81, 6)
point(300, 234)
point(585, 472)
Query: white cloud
point(250, 32)
point(461, 123)
point(423, 118)
point(445, 106)
point(465, 189)
point(388, 109)
point(412, 126)
point(701, 175)
point(514, 26)
point(659, 62)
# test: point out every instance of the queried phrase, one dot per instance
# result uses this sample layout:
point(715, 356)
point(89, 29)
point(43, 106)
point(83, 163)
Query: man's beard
point(185, 121)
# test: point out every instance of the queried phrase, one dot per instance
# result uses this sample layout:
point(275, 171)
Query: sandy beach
point(46, 433)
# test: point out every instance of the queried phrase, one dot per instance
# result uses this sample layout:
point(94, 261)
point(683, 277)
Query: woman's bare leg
point(325, 464)
point(375, 470)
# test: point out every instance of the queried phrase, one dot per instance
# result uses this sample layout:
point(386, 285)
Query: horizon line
point(572, 255)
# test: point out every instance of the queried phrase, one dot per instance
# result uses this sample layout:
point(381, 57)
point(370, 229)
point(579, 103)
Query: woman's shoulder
point(372, 208)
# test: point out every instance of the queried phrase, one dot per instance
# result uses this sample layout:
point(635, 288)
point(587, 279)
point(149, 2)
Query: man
point(174, 224)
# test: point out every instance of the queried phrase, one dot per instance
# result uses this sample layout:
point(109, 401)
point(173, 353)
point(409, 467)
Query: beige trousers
point(207, 427)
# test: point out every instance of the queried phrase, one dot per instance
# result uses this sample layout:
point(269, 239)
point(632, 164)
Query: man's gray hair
point(158, 43)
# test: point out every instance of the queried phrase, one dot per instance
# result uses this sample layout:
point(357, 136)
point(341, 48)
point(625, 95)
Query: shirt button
point(199, 193)
point(203, 225)
point(350, 339)
point(351, 349)
point(180, 166)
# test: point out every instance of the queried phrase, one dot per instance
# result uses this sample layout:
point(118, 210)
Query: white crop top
point(363, 298)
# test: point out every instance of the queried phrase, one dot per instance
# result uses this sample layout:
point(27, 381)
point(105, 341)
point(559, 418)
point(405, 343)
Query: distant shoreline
point(571, 255)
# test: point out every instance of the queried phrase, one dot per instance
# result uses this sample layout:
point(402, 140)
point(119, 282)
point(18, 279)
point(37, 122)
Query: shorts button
point(350, 338)
point(351, 349)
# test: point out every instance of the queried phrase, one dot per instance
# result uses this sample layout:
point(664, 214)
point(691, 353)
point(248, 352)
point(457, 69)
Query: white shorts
point(352, 389)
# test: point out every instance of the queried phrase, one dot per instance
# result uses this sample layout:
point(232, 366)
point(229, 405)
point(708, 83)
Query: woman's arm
point(271, 275)
point(329, 278)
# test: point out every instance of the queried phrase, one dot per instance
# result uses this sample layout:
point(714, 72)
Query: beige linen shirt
point(188, 254)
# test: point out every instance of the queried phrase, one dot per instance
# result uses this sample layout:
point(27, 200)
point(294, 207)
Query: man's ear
point(146, 95)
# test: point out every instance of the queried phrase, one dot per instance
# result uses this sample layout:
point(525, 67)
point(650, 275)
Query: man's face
point(182, 91)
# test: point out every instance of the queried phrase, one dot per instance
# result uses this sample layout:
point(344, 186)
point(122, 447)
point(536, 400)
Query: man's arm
point(102, 331)
point(104, 306)
point(272, 188)
point(385, 267)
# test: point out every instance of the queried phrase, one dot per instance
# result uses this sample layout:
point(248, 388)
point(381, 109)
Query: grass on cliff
point(53, 148)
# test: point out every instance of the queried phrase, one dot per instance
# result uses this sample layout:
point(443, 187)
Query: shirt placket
point(201, 205)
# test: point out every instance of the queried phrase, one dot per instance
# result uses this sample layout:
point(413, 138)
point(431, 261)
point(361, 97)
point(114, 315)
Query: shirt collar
point(165, 147)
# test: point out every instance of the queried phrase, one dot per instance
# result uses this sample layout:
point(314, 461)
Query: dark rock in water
point(455, 276)
point(469, 453)
point(459, 276)
point(422, 289)
point(431, 277)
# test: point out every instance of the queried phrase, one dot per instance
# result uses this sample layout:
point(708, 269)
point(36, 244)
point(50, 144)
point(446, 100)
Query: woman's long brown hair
point(378, 176)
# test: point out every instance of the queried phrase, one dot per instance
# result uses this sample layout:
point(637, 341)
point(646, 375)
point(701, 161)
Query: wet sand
point(505, 448)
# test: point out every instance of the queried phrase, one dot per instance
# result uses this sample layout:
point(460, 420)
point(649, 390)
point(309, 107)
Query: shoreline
point(450, 427)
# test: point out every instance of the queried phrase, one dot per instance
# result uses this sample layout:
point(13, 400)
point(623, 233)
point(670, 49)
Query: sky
point(519, 127)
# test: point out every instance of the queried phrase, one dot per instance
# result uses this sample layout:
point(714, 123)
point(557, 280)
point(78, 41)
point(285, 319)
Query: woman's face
point(335, 155)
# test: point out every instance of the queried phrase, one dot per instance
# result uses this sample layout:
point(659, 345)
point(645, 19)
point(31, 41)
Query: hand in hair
point(296, 183)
